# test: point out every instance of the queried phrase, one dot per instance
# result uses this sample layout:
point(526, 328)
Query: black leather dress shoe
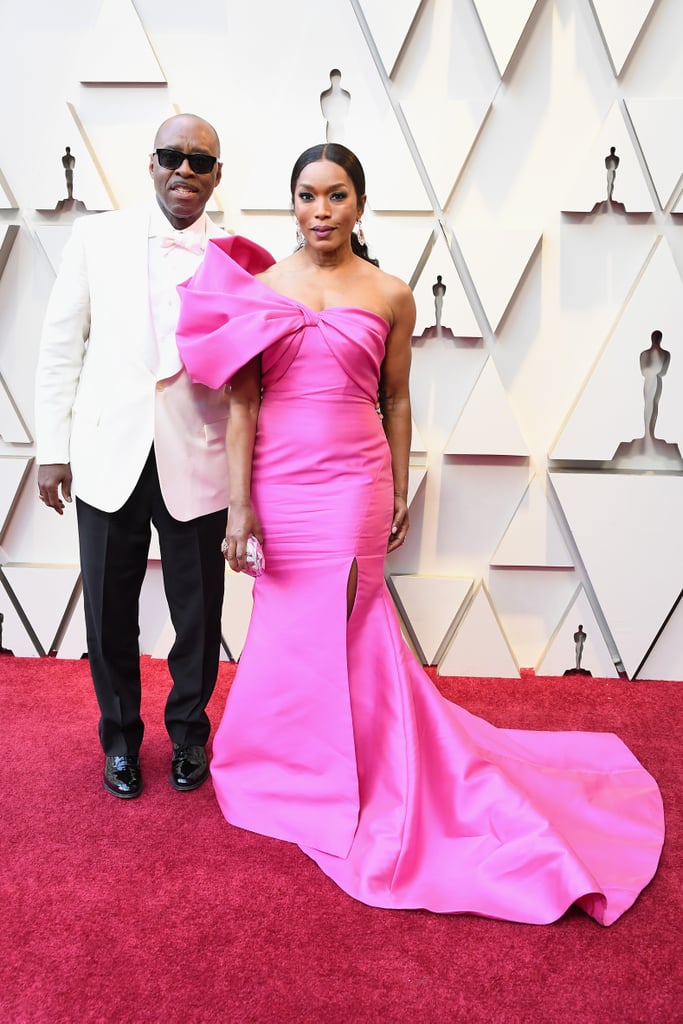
point(122, 775)
point(189, 767)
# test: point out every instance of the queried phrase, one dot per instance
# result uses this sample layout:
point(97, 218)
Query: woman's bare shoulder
point(397, 294)
point(392, 286)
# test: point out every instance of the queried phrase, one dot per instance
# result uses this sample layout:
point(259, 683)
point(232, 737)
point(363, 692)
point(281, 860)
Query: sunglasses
point(171, 159)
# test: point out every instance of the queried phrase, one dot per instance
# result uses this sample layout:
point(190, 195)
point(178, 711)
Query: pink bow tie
point(191, 241)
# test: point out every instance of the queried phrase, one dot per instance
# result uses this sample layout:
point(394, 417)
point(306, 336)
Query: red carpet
point(156, 910)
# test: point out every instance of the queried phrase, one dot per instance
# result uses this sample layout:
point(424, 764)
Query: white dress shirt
point(174, 256)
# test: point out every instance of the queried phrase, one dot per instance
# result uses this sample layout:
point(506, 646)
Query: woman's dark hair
point(348, 161)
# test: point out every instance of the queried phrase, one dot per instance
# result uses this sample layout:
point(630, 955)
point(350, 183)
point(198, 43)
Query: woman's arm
point(245, 400)
point(394, 400)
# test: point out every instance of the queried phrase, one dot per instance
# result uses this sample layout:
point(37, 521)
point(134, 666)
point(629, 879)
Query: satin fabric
point(333, 736)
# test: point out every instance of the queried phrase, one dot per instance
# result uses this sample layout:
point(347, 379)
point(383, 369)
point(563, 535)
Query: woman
point(333, 736)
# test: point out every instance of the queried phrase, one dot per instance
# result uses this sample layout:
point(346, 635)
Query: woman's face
point(326, 205)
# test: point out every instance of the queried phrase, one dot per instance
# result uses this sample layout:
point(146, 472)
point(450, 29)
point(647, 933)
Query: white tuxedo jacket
point(98, 404)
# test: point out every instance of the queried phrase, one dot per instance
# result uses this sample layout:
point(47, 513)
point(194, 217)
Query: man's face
point(182, 194)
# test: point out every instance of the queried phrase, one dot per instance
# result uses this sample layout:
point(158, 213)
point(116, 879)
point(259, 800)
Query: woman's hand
point(242, 522)
point(400, 524)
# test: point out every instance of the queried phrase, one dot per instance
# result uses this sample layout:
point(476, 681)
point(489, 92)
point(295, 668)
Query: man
point(115, 407)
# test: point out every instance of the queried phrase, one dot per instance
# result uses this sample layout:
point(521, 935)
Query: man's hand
point(50, 478)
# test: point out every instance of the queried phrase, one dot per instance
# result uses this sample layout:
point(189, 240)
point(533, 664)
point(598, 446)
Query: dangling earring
point(300, 240)
point(359, 232)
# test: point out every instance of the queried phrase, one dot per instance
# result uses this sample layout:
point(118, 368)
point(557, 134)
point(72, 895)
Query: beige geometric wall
point(546, 481)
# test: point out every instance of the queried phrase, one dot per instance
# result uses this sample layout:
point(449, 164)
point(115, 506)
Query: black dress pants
point(114, 547)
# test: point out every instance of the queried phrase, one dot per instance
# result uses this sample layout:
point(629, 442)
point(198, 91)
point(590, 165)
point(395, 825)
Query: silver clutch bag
point(256, 560)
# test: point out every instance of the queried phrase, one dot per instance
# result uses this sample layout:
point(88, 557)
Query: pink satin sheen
point(333, 736)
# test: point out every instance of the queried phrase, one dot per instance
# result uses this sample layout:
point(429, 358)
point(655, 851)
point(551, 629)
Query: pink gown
point(333, 736)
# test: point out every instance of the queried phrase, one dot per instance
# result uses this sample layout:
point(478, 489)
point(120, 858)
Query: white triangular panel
point(528, 604)
point(533, 537)
point(496, 280)
point(417, 445)
point(430, 605)
point(8, 232)
point(611, 407)
point(504, 25)
point(441, 380)
point(445, 84)
point(657, 123)
point(46, 184)
point(665, 661)
point(237, 606)
point(627, 528)
point(456, 314)
point(560, 653)
point(12, 427)
point(445, 152)
point(74, 644)
point(118, 50)
point(13, 469)
point(30, 584)
point(590, 184)
point(397, 240)
point(479, 647)
point(416, 476)
point(620, 23)
point(53, 238)
point(374, 131)
point(475, 501)
point(601, 260)
point(487, 425)
point(389, 33)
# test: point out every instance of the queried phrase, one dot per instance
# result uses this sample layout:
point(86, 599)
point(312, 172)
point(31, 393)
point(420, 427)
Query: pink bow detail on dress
point(191, 241)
